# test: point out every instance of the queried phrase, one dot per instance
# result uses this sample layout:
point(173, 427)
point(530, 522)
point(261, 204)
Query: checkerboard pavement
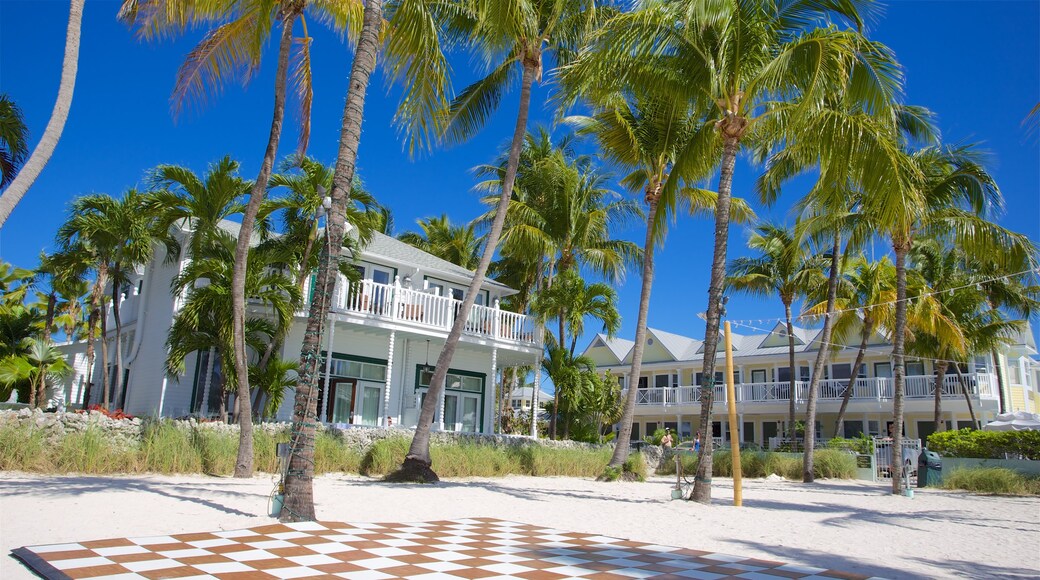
point(474, 548)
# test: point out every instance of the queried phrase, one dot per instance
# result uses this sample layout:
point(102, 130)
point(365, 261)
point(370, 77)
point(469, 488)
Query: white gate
point(883, 457)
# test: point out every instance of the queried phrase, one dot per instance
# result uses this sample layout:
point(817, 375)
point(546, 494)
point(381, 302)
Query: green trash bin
point(929, 469)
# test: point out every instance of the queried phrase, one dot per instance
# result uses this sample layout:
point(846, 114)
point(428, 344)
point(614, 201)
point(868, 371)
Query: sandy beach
point(843, 525)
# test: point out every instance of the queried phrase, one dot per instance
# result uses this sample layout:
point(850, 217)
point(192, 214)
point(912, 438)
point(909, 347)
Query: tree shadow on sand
point(80, 486)
point(831, 561)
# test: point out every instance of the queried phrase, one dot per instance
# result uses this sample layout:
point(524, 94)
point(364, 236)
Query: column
point(385, 421)
point(537, 391)
point(489, 393)
point(440, 407)
point(328, 367)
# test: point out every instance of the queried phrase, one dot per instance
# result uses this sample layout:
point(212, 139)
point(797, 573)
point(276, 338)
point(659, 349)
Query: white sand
point(849, 526)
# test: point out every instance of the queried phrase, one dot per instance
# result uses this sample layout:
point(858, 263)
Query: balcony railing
point(424, 309)
point(980, 385)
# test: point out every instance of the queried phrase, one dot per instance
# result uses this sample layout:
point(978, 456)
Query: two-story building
point(670, 378)
point(384, 335)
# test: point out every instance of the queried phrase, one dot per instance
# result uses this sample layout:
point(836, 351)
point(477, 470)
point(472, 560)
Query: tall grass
point(995, 480)
point(827, 463)
point(167, 448)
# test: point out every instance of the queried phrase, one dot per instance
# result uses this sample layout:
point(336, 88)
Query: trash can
point(929, 469)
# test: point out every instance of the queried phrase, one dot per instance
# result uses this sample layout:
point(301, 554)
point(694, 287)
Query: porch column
point(385, 421)
point(489, 394)
point(740, 428)
point(440, 406)
point(328, 367)
point(537, 392)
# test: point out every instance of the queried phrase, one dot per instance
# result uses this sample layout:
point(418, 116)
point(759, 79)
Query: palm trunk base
point(413, 470)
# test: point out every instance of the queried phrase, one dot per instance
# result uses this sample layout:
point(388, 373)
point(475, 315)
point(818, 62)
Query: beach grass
point(827, 463)
point(991, 480)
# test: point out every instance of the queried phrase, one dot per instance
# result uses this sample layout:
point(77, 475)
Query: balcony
point(980, 385)
point(424, 310)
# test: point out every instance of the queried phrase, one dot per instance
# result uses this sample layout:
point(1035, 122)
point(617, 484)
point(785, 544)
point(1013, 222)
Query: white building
point(670, 376)
point(384, 335)
point(521, 399)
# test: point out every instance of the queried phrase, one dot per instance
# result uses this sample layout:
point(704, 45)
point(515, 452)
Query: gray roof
point(525, 393)
point(383, 246)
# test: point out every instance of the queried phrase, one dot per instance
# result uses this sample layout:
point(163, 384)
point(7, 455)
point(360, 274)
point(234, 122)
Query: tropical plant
point(13, 140)
point(784, 266)
point(457, 244)
point(42, 153)
point(272, 380)
point(764, 67)
point(413, 53)
point(181, 199)
point(38, 362)
point(865, 303)
point(573, 301)
point(524, 33)
point(658, 141)
point(121, 235)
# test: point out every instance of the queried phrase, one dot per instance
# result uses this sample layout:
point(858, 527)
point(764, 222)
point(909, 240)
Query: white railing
point(427, 309)
point(830, 390)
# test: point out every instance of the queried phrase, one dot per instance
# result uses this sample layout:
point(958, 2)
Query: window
point(758, 376)
point(650, 428)
point(621, 381)
point(842, 371)
point(862, 371)
point(369, 371)
point(914, 368)
point(455, 381)
point(883, 370)
point(660, 381)
point(803, 373)
point(749, 432)
point(981, 364)
point(643, 382)
point(699, 378)
point(515, 403)
point(852, 429)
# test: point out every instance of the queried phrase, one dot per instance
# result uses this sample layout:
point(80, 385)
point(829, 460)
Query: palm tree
point(42, 153)
point(457, 244)
point(572, 301)
point(272, 380)
point(785, 267)
point(943, 192)
point(659, 143)
point(122, 235)
point(764, 67)
point(524, 32)
point(413, 52)
point(38, 362)
point(204, 322)
point(13, 138)
point(865, 298)
point(235, 48)
point(181, 198)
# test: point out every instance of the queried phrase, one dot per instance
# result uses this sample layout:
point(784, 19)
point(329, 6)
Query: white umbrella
point(1017, 421)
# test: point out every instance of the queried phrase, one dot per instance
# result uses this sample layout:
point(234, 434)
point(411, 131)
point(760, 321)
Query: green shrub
point(996, 480)
point(217, 451)
point(331, 455)
point(636, 465)
point(385, 456)
point(167, 449)
point(24, 449)
point(689, 465)
point(864, 445)
point(547, 461)
point(834, 464)
point(91, 452)
point(986, 444)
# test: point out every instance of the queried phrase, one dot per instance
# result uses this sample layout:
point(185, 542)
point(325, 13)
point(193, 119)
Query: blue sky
point(975, 63)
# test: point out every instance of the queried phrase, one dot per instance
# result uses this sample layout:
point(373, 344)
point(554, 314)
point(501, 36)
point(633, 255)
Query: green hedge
point(996, 480)
point(986, 444)
point(827, 463)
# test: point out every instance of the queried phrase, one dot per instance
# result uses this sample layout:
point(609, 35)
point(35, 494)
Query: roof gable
point(778, 337)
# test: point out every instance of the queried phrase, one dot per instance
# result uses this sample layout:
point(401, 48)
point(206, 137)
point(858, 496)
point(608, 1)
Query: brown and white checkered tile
point(478, 548)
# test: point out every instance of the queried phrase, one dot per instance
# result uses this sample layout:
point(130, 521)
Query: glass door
point(370, 399)
point(470, 404)
point(341, 404)
point(451, 412)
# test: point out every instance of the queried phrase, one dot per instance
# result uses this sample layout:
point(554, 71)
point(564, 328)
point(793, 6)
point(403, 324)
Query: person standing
point(666, 441)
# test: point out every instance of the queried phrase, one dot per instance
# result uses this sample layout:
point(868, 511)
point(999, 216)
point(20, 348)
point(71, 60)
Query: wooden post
point(734, 434)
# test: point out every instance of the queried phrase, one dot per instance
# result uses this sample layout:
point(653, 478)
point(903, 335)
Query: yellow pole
point(734, 433)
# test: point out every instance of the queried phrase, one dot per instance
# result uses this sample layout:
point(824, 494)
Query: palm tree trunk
point(91, 329)
point(299, 492)
point(839, 424)
point(244, 461)
point(204, 410)
point(967, 397)
point(901, 248)
point(42, 153)
point(41, 388)
point(821, 360)
point(624, 436)
point(791, 393)
point(702, 483)
point(105, 376)
point(940, 377)
point(118, 369)
point(1000, 381)
point(417, 464)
